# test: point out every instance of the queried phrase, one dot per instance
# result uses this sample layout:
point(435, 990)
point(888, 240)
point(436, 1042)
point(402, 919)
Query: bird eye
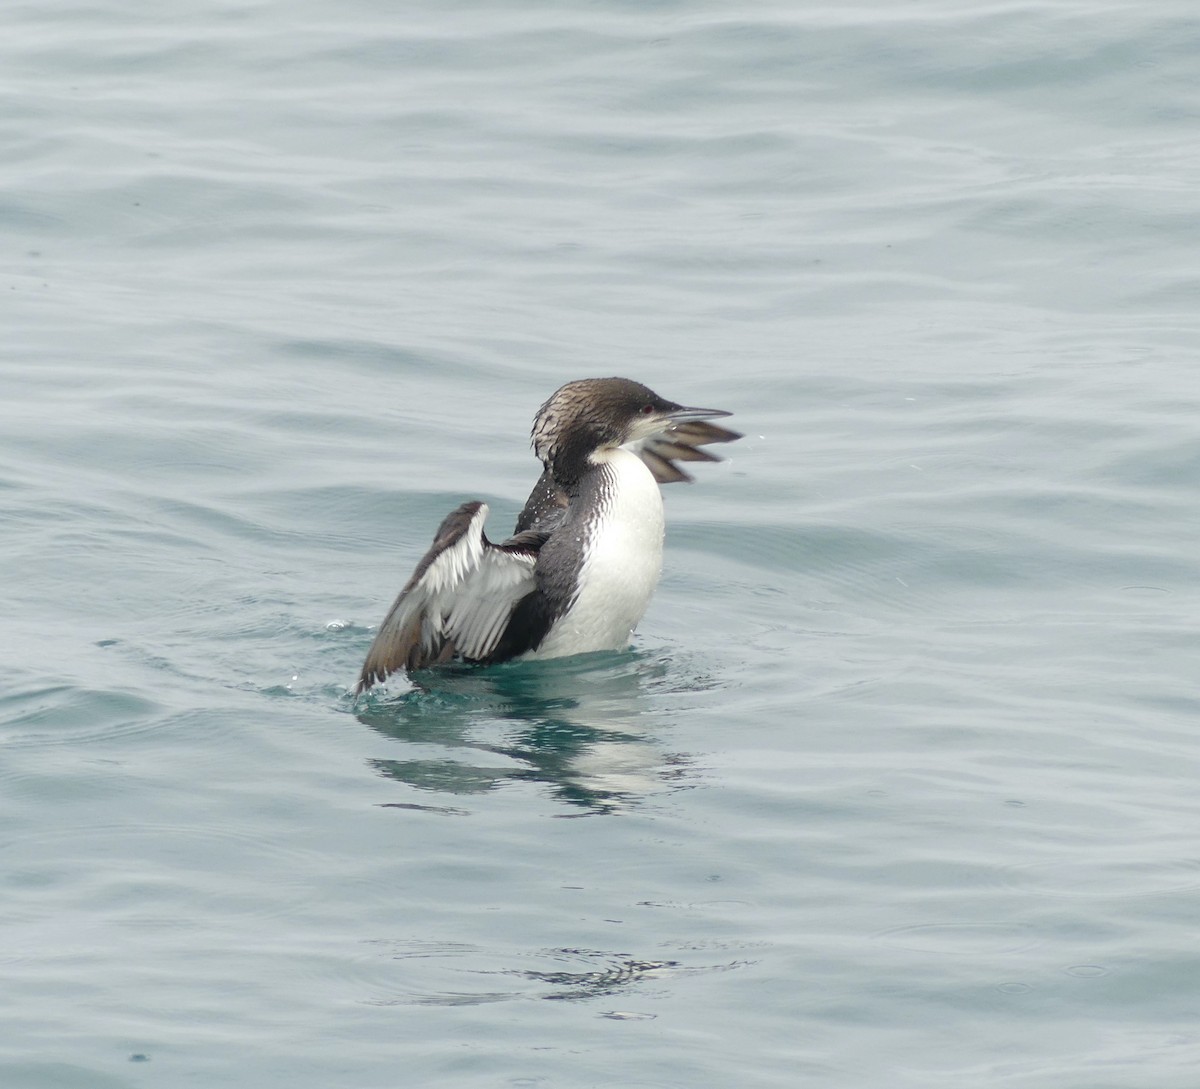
point(647, 410)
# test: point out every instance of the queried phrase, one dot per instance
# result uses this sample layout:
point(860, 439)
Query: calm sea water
point(899, 785)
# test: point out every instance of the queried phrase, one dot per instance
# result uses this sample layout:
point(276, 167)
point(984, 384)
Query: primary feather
point(457, 601)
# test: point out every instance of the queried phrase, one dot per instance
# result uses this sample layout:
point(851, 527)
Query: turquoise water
point(898, 786)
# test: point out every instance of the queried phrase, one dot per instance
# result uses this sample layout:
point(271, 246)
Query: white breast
point(621, 565)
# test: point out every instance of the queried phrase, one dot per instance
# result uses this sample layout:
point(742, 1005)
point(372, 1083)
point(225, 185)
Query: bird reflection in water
point(583, 726)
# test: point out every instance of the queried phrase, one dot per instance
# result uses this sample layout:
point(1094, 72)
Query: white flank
point(621, 565)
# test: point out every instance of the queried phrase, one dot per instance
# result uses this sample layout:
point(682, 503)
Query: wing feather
point(478, 609)
point(679, 442)
point(457, 602)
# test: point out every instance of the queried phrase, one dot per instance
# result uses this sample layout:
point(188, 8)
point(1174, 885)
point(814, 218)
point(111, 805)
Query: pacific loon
point(586, 554)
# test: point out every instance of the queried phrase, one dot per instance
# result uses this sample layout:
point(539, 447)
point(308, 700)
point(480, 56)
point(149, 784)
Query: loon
point(578, 571)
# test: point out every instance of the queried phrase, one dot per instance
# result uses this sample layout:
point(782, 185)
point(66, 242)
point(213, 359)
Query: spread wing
point(458, 601)
point(680, 442)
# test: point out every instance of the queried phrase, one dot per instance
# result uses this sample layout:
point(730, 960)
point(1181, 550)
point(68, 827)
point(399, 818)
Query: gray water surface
point(897, 786)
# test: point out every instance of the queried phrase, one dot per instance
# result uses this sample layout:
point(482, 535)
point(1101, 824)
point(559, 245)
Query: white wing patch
point(476, 611)
point(457, 603)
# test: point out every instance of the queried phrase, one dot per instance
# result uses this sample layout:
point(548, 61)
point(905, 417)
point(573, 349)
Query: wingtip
point(361, 685)
point(682, 442)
